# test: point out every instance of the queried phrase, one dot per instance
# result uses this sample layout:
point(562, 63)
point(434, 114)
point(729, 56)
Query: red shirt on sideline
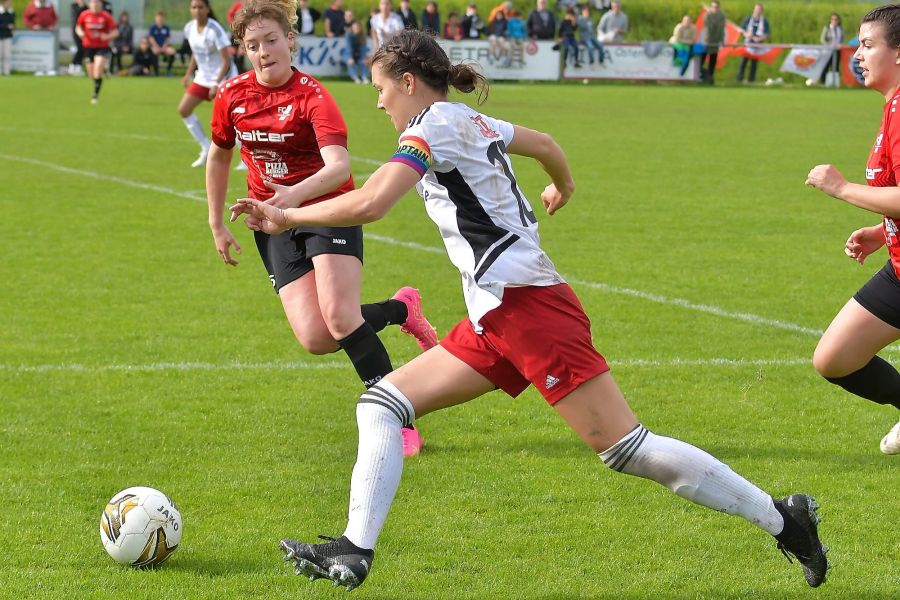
point(281, 130)
point(94, 26)
point(883, 170)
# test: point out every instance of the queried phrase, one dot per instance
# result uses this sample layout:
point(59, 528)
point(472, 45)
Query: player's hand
point(186, 80)
point(213, 91)
point(553, 199)
point(281, 198)
point(863, 242)
point(224, 241)
point(261, 216)
point(828, 179)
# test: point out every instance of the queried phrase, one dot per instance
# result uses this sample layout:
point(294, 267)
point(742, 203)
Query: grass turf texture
point(132, 356)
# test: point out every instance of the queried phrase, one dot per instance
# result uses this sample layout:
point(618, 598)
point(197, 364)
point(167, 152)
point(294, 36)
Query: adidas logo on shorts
point(551, 381)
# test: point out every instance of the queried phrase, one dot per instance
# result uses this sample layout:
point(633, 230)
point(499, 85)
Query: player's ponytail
point(888, 17)
point(283, 12)
point(416, 52)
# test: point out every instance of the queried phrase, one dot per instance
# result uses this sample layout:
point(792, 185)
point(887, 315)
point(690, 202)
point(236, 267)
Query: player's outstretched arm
point(367, 204)
point(334, 173)
point(544, 149)
point(218, 163)
point(881, 200)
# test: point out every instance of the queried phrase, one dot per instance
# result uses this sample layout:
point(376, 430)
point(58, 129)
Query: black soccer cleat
point(804, 544)
point(339, 560)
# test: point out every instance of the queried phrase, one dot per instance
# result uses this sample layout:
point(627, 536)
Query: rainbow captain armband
point(413, 152)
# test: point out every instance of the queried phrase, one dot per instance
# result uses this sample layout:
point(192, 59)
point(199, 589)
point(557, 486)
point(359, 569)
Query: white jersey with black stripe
point(206, 45)
point(470, 192)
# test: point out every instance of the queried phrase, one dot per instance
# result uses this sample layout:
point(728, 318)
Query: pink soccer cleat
point(412, 441)
point(416, 324)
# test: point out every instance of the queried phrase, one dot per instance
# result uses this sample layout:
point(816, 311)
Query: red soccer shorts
point(538, 335)
point(199, 91)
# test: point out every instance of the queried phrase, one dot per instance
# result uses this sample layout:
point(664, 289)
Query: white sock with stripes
point(193, 125)
point(694, 475)
point(382, 411)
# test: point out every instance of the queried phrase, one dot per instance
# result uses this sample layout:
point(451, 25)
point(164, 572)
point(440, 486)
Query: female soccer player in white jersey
point(295, 145)
point(847, 353)
point(210, 65)
point(525, 324)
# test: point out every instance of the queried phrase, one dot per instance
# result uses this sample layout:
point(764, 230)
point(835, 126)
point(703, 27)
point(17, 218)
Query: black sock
point(97, 84)
point(792, 532)
point(381, 314)
point(170, 60)
point(368, 354)
point(878, 381)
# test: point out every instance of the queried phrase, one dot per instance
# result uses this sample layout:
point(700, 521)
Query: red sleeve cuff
point(222, 143)
point(332, 139)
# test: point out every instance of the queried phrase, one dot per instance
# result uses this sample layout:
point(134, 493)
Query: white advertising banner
point(650, 61)
point(807, 62)
point(34, 50)
point(320, 56)
point(324, 57)
point(529, 60)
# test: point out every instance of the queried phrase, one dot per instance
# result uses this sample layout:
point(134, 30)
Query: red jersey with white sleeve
point(281, 130)
point(94, 26)
point(883, 170)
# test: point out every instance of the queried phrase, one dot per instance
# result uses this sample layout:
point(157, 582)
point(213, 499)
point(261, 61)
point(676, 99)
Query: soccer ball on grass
point(141, 527)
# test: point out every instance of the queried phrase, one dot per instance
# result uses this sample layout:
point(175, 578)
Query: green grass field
point(131, 356)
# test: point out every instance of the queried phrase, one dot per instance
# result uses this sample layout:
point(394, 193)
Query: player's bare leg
point(847, 356)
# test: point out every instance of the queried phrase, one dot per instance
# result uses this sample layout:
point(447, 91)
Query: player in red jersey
point(294, 142)
point(96, 28)
point(847, 353)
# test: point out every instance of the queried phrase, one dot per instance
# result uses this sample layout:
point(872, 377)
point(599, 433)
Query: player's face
point(392, 97)
point(877, 60)
point(269, 51)
point(95, 5)
point(199, 10)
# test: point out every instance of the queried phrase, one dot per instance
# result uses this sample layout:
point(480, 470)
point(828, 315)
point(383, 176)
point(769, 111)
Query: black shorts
point(881, 295)
point(90, 53)
point(288, 256)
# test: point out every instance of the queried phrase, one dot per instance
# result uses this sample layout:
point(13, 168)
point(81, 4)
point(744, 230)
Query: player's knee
point(341, 323)
point(317, 345)
point(829, 363)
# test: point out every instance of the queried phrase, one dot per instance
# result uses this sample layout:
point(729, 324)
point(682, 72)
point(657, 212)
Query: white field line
point(343, 364)
point(658, 298)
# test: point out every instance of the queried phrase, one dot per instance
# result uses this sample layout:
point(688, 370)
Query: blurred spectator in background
point(505, 7)
point(431, 18)
point(712, 37)
point(452, 28)
point(832, 36)
point(497, 47)
point(683, 37)
point(755, 30)
point(472, 25)
point(541, 22)
point(124, 43)
point(588, 36)
point(159, 41)
point(567, 40)
point(407, 15)
point(75, 9)
point(144, 60)
point(306, 18)
point(40, 14)
point(516, 34)
point(613, 24)
point(237, 50)
point(385, 23)
point(333, 19)
point(7, 24)
point(357, 52)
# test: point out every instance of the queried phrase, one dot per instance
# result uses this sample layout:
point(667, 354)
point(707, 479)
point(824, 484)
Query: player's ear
point(408, 83)
point(292, 42)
